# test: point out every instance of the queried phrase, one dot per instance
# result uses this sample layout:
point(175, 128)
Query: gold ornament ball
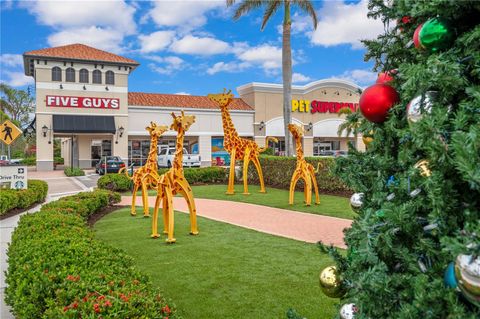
point(331, 282)
point(367, 139)
point(423, 167)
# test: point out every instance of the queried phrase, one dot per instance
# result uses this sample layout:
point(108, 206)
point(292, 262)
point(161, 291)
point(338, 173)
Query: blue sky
point(192, 47)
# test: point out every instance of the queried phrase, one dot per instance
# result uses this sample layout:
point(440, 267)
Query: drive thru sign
point(9, 132)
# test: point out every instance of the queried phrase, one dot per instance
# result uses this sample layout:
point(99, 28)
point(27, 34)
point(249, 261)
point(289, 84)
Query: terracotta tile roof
point(80, 52)
point(181, 101)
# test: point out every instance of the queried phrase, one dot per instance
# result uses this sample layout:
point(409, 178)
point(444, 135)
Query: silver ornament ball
point(420, 105)
point(356, 201)
point(348, 311)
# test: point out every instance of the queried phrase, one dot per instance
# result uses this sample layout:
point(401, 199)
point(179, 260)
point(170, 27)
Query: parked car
point(4, 161)
point(166, 155)
point(109, 164)
point(341, 153)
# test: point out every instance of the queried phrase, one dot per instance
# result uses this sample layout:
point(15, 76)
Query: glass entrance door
point(99, 149)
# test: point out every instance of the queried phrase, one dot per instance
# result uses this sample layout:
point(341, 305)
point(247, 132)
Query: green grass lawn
point(335, 206)
point(226, 271)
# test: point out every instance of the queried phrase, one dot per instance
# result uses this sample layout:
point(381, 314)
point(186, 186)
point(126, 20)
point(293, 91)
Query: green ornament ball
point(436, 35)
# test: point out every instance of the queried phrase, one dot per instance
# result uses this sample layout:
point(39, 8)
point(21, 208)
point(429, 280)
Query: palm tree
point(18, 104)
point(271, 7)
point(351, 124)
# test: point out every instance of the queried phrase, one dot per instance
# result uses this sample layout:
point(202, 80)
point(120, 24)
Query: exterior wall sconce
point(336, 93)
point(349, 93)
point(309, 126)
point(84, 87)
point(61, 86)
point(262, 126)
point(44, 130)
point(324, 91)
point(121, 130)
point(106, 88)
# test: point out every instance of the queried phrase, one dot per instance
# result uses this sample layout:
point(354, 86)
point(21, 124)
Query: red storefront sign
point(82, 102)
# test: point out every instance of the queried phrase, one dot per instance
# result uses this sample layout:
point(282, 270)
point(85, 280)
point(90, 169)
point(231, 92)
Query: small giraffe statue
point(303, 170)
point(144, 177)
point(174, 182)
point(238, 148)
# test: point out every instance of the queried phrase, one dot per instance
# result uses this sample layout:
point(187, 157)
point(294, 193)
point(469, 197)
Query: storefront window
point(109, 77)
point(278, 148)
point(97, 77)
point(56, 74)
point(83, 76)
point(70, 75)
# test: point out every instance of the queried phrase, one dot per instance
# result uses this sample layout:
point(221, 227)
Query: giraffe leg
point(134, 197)
point(169, 201)
point(155, 233)
point(293, 183)
point(186, 192)
point(308, 188)
point(146, 212)
point(165, 213)
point(256, 162)
point(246, 161)
point(315, 185)
point(231, 176)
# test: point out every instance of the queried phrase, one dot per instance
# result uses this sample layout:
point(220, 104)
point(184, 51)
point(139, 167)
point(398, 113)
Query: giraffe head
point(156, 130)
point(296, 130)
point(222, 99)
point(182, 122)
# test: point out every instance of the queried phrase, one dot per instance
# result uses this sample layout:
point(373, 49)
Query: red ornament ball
point(376, 100)
point(416, 37)
point(385, 77)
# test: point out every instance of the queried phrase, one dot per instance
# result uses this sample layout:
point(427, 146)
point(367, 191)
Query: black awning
point(83, 124)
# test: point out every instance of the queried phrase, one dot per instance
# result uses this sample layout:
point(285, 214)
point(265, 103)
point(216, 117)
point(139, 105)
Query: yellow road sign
point(9, 132)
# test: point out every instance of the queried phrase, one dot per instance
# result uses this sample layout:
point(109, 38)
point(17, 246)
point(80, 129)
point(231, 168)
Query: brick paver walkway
point(285, 223)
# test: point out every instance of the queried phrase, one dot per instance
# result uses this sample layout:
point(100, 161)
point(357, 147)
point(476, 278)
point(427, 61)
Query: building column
point(360, 145)
point(205, 149)
point(84, 151)
point(308, 145)
point(120, 143)
point(44, 148)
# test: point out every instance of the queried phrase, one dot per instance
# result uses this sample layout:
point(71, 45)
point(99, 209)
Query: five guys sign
point(315, 106)
point(82, 102)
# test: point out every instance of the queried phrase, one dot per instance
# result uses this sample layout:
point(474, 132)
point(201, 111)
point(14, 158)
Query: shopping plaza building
point(82, 99)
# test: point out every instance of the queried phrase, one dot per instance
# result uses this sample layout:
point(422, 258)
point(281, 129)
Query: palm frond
point(344, 111)
point(230, 3)
point(271, 9)
point(247, 6)
point(307, 7)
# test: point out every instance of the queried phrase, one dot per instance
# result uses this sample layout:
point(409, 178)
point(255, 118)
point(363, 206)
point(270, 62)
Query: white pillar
point(205, 149)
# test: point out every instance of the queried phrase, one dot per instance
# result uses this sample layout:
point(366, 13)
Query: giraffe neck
point(229, 131)
point(152, 154)
point(299, 148)
point(178, 160)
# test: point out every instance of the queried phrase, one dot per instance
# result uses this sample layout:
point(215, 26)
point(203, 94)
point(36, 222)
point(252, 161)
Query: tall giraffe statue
point(174, 182)
point(144, 177)
point(303, 169)
point(238, 148)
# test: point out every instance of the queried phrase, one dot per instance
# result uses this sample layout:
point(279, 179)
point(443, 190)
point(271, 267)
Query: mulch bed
point(17, 211)
point(107, 210)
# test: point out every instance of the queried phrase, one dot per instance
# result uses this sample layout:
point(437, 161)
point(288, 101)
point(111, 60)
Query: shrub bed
point(115, 182)
point(278, 171)
point(203, 175)
point(73, 171)
point(11, 198)
point(57, 269)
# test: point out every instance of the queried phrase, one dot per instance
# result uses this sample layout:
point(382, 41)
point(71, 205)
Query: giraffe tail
point(124, 170)
point(319, 166)
point(263, 149)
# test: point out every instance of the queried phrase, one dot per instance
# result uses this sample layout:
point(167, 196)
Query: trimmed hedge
point(203, 175)
point(115, 182)
point(278, 171)
point(11, 198)
point(73, 171)
point(57, 269)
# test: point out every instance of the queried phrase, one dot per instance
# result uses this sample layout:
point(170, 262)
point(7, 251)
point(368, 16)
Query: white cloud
point(229, 67)
point(156, 41)
point(184, 14)
point(168, 65)
point(342, 23)
point(267, 56)
point(300, 25)
point(182, 93)
point(299, 78)
point(199, 46)
point(115, 14)
point(105, 39)
point(16, 79)
point(11, 60)
point(358, 76)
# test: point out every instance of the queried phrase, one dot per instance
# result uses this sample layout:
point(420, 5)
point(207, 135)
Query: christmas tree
point(414, 249)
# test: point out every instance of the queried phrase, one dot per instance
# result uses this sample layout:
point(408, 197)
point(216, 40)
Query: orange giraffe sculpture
point(303, 169)
point(145, 176)
point(238, 148)
point(174, 182)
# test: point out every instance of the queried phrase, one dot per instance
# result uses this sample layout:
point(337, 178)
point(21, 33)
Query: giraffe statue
point(303, 169)
point(174, 182)
point(144, 177)
point(238, 148)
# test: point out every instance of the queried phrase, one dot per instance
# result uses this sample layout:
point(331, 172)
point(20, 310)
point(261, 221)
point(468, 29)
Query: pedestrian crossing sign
point(9, 132)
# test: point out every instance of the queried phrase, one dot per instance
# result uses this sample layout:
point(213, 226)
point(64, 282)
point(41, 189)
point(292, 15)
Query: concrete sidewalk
point(280, 222)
